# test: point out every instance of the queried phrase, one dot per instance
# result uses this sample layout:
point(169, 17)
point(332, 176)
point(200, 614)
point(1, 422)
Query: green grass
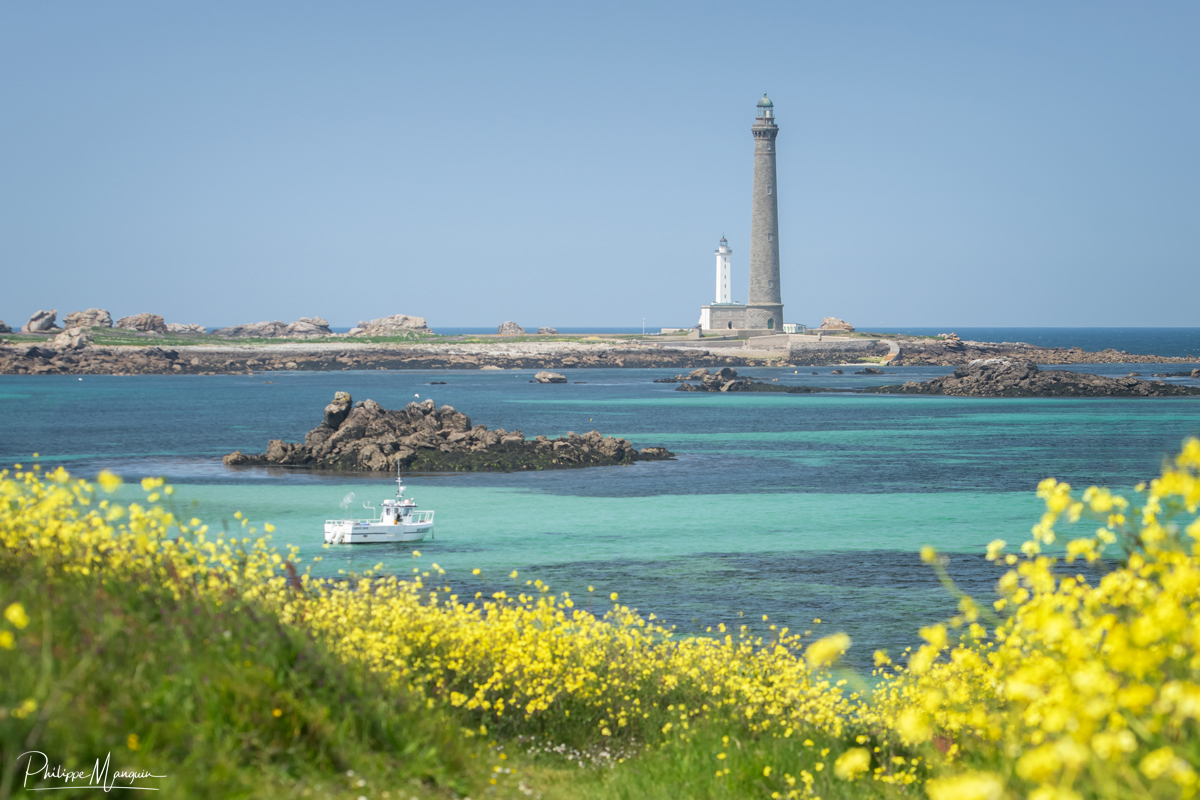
point(198, 685)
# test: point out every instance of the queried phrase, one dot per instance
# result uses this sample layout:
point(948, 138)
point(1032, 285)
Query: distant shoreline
point(140, 354)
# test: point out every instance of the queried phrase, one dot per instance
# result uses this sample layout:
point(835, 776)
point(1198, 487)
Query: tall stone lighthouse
point(764, 308)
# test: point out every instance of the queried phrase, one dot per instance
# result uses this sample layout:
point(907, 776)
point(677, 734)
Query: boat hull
point(359, 533)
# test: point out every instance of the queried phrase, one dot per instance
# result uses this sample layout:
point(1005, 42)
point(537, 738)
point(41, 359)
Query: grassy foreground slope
point(209, 659)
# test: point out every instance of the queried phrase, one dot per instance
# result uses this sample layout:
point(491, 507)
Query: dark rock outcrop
point(1005, 378)
point(727, 380)
point(868, 371)
point(41, 322)
point(4, 328)
point(949, 350)
point(424, 438)
point(1193, 374)
point(91, 318)
point(703, 374)
point(146, 323)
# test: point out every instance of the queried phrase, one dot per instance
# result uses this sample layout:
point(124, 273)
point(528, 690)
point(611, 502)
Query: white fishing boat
point(398, 521)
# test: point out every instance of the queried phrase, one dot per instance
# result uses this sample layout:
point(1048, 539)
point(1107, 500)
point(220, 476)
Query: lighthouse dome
point(765, 102)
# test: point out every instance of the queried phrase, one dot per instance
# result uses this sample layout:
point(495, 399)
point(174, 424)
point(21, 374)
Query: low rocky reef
point(1000, 377)
point(949, 350)
point(726, 380)
point(984, 378)
point(422, 437)
point(82, 357)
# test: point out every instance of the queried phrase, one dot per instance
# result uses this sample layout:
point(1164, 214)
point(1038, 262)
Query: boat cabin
point(394, 511)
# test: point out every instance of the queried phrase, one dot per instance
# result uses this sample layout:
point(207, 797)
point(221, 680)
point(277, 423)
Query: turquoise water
point(796, 506)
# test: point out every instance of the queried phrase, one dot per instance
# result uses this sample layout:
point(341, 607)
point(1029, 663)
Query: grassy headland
point(206, 657)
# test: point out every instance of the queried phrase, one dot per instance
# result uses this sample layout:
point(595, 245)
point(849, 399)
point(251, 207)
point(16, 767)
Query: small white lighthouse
point(723, 253)
point(723, 313)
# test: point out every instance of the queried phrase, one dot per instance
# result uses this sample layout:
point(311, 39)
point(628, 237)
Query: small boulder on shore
point(177, 327)
point(422, 437)
point(391, 326)
point(309, 326)
point(41, 322)
point(547, 330)
point(146, 323)
point(90, 318)
point(835, 324)
point(72, 339)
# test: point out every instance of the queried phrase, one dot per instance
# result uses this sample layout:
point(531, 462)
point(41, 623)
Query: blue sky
point(574, 164)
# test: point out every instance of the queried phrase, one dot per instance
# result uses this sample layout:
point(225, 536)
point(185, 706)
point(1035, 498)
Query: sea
point(796, 507)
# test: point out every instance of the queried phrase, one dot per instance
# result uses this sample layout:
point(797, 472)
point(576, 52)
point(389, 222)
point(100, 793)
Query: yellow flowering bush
point(1079, 686)
point(1068, 686)
point(532, 663)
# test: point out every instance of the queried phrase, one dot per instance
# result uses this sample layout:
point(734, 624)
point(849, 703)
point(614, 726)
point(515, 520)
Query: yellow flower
point(108, 481)
point(613, 597)
point(914, 727)
point(825, 651)
point(968, 786)
point(15, 614)
point(7, 640)
point(852, 763)
point(278, 712)
point(132, 742)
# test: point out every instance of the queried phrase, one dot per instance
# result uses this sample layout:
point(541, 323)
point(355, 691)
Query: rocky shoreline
point(73, 353)
point(983, 378)
point(951, 352)
point(1007, 378)
point(45, 359)
point(422, 437)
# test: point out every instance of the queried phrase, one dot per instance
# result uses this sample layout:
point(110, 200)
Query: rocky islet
point(1001, 377)
point(423, 437)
